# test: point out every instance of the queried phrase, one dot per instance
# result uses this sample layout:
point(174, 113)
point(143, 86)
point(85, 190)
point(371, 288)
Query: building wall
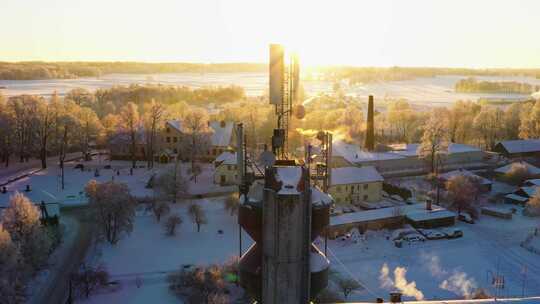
point(226, 175)
point(361, 192)
point(169, 138)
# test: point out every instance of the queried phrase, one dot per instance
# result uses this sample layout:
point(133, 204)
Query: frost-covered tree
point(530, 122)
point(197, 215)
point(462, 191)
point(21, 217)
point(231, 204)
point(130, 122)
point(10, 270)
point(153, 115)
point(197, 139)
point(172, 222)
point(517, 173)
point(171, 184)
point(488, 124)
point(113, 208)
point(434, 142)
point(533, 205)
point(21, 220)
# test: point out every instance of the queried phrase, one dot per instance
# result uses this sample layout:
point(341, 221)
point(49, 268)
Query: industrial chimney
point(370, 130)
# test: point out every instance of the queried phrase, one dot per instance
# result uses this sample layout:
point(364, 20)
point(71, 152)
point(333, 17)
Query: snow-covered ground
point(46, 184)
point(148, 254)
point(440, 268)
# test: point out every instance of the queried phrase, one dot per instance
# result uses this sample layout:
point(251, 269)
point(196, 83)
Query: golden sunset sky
point(455, 33)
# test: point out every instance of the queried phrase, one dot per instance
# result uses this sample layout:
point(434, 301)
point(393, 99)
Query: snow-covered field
point(435, 90)
point(46, 184)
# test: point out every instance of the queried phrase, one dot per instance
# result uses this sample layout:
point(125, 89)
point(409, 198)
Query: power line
point(351, 275)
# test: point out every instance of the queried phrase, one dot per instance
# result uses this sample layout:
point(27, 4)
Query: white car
point(414, 238)
point(432, 234)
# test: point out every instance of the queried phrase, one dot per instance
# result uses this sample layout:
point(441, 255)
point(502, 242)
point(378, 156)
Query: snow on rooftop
point(467, 173)
point(521, 145)
point(379, 214)
point(516, 197)
point(222, 134)
point(226, 158)
point(505, 169)
point(176, 124)
point(320, 198)
point(353, 154)
point(424, 215)
point(290, 177)
point(411, 150)
point(530, 190)
point(355, 175)
point(535, 182)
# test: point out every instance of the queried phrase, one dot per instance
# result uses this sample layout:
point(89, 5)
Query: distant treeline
point(373, 74)
point(64, 70)
point(48, 70)
point(472, 85)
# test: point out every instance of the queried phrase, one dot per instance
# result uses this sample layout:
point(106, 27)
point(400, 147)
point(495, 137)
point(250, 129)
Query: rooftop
point(506, 168)
point(222, 134)
point(355, 175)
point(353, 154)
point(467, 173)
point(521, 145)
point(411, 150)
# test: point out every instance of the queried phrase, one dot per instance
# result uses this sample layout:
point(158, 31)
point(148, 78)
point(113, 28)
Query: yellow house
point(226, 172)
point(221, 139)
point(355, 185)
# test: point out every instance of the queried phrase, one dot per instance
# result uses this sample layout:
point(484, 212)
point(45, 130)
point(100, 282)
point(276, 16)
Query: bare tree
point(197, 139)
point(347, 286)
point(113, 208)
point(131, 123)
point(202, 285)
point(170, 184)
point(89, 279)
point(530, 128)
point(153, 116)
point(198, 217)
point(45, 122)
point(434, 141)
point(23, 108)
point(160, 209)
point(172, 222)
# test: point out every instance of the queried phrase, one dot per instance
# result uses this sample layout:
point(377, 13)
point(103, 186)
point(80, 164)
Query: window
point(366, 186)
point(175, 139)
point(365, 197)
point(168, 130)
point(229, 167)
point(338, 188)
point(175, 150)
point(168, 139)
point(223, 179)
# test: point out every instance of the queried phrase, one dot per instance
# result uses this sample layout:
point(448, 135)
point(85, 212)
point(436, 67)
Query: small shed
point(515, 199)
point(426, 219)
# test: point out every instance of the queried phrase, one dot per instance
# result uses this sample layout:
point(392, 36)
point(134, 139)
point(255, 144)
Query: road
point(56, 287)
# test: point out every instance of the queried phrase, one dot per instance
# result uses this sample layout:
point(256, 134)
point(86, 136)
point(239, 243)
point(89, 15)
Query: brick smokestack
point(370, 130)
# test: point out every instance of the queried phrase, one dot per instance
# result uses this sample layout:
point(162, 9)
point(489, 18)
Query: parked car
point(79, 166)
point(432, 234)
point(454, 233)
point(107, 167)
point(414, 238)
point(465, 217)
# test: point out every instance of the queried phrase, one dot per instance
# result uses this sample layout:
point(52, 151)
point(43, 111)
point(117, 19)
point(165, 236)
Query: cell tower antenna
point(283, 93)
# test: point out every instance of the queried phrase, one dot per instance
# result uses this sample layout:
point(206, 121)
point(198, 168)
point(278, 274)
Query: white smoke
point(459, 283)
point(400, 282)
point(433, 264)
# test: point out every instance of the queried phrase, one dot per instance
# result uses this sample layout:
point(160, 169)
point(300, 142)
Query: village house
point(355, 185)
point(226, 169)
point(221, 139)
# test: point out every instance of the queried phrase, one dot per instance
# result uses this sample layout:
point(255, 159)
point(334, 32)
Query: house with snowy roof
point(221, 139)
point(483, 183)
point(355, 185)
point(226, 169)
point(518, 148)
point(532, 170)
